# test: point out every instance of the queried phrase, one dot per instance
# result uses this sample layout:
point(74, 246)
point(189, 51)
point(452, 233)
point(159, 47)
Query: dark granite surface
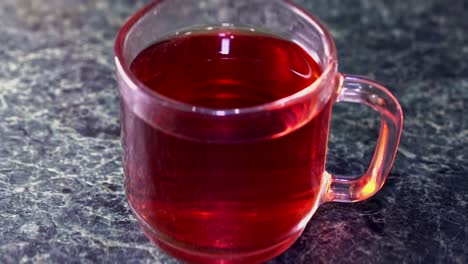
point(61, 183)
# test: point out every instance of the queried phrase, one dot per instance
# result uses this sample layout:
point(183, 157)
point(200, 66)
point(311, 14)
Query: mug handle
point(356, 89)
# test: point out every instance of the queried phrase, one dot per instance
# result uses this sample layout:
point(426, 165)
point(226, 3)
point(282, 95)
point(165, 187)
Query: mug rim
point(136, 86)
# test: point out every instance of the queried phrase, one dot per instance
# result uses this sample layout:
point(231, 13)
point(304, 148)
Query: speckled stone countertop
point(61, 182)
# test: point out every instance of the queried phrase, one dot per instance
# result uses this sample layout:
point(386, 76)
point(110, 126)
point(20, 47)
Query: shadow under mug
point(210, 198)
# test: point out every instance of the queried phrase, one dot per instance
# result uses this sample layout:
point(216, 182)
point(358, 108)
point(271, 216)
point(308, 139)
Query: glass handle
point(364, 91)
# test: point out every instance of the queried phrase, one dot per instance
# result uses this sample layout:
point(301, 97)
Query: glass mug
point(238, 185)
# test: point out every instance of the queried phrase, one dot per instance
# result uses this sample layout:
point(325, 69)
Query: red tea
point(231, 196)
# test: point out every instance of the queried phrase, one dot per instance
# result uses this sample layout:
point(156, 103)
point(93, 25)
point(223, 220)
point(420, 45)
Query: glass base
point(192, 255)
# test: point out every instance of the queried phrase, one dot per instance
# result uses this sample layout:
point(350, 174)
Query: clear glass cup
point(237, 228)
